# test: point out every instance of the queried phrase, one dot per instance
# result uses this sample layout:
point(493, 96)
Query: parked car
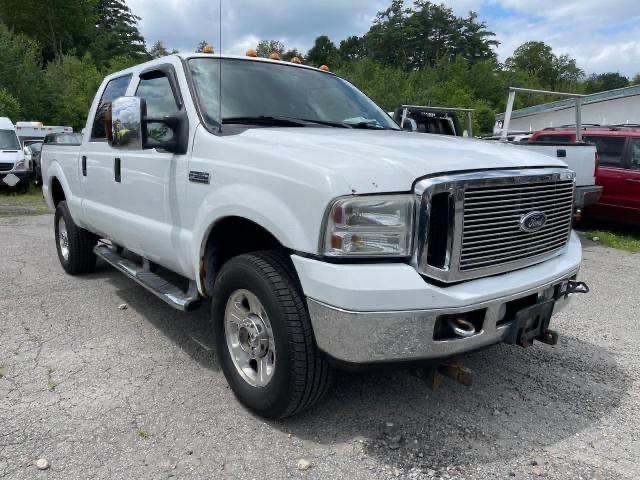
point(34, 147)
point(323, 234)
point(618, 172)
point(15, 167)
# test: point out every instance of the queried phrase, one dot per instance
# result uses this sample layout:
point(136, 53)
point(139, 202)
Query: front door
point(632, 181)
point(153, 181)
point(96, 168)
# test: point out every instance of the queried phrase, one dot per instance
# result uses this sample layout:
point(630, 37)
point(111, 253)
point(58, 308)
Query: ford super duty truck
point(317, 231)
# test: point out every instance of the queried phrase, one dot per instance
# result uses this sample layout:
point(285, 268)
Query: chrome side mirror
point(124, 123)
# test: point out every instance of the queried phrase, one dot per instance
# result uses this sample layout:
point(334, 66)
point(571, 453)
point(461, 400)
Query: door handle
point(84, 166)
point(116, 170)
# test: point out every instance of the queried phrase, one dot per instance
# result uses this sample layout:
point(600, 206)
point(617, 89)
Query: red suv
point(618, 171)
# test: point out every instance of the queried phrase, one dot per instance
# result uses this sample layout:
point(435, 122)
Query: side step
point(157, 285)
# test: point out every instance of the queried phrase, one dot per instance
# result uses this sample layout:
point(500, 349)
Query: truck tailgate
point(580, 157)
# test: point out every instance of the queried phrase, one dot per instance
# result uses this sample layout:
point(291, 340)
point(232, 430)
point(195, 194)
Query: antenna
point(220, 83)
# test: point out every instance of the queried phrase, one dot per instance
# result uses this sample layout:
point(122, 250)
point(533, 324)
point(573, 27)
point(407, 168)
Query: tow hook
point(434, 375)
point(576, 287)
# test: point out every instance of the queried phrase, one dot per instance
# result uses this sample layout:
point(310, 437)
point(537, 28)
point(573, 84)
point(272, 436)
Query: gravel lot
point(107, 393)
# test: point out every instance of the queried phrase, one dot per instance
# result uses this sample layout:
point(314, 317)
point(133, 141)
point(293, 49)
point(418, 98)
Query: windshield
point(255, 90)
point(9, 140)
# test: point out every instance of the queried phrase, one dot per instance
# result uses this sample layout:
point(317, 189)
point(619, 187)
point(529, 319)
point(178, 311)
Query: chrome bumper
point(395, 336)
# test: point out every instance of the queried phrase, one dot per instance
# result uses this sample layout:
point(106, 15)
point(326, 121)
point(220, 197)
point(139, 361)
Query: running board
point(157, 285)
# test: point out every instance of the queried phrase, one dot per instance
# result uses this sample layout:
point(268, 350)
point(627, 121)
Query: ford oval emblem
point(532, 222)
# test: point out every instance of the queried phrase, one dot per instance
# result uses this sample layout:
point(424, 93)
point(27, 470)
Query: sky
point(601, 35)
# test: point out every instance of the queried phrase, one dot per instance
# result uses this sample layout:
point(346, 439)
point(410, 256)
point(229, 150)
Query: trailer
point(37, 131)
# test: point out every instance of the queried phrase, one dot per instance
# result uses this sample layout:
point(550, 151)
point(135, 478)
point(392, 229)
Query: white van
point(15, 170)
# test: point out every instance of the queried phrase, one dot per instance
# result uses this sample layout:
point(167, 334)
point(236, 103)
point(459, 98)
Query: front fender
point(74, 202)
point(257, 205)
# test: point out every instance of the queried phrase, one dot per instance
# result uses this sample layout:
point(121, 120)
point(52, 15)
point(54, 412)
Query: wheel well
point(229, 237)
point(57, 193)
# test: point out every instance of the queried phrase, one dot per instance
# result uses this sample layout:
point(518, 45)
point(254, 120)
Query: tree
point(9, 106)
point(117, 33)
point(201, 46)
point(289, 54)
point(267, 47)
point(352, 48)
point(70, 85)
point(59, 26)
point(538, 60)
point(158, 50)
point(322, 52)
point(636, 79)
point(21, 72)
point(605, 81)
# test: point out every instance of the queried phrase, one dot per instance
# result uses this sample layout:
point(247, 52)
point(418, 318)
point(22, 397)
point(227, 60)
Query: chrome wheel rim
point(250, 338)
point(63, 238)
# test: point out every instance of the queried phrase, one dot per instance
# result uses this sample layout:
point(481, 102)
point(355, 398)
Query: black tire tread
point(81, 242)
point(310, 374)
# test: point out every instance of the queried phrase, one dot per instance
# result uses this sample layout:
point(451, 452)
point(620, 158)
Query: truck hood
point(10, 156)
point(388, 161)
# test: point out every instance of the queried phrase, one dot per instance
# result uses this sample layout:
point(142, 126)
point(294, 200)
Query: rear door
point(632, 180)
point(96, 167)
point(611, 176)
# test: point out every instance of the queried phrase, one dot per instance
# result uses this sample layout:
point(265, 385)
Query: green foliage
point(289, 54)
point(537, 60)
point(9, 106)
point(21, 72)
point(636, 79)
point(267, 47)
point(57, 25)
point(323, 52)
point(605, 81)
point(71, 84)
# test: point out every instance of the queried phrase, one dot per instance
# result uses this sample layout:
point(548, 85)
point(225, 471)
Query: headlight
point(20, 165)
point(380, 225)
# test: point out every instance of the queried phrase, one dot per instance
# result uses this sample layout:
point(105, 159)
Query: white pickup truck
point(323, 234)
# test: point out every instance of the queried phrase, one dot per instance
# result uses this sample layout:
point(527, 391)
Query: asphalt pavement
point(93, 390)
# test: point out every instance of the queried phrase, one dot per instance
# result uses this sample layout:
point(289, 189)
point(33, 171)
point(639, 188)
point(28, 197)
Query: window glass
point(554, 138)
point(114, 89)
point(635, 153)
point(160, 102)
point(256, 89)
point(609, 148)
point(9, 140)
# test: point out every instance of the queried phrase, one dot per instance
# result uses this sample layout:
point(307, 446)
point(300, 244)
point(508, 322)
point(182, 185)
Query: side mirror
point(124, 123)
point(129, 128)
point(409, 125)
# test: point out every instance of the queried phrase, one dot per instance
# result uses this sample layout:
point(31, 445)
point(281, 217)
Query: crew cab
point(618, 172)
point(318, 233)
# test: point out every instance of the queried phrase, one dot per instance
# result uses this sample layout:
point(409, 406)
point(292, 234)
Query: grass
point(3, 371)
point(51, 384)
point(142, 433)
point(14, 203)
point(621, 241)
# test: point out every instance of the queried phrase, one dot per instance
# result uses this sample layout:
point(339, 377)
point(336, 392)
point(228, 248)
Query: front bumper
point(22, 175)
point(388, 313)
point(586, 196)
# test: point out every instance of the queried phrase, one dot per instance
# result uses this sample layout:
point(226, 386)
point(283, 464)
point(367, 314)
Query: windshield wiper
point(265, 120)
point(372, 125)
point(322, 122)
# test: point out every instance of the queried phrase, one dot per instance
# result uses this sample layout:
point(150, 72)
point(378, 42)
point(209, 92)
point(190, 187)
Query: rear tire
point(74, 244)
point(298, 373)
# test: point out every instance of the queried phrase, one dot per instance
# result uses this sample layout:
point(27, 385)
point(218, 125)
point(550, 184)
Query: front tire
point(74, 244)
point(264, 338)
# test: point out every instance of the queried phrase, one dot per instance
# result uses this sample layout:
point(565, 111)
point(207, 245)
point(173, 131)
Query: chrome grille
point(469, 224)
point(491, 223)
point(5, 167)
